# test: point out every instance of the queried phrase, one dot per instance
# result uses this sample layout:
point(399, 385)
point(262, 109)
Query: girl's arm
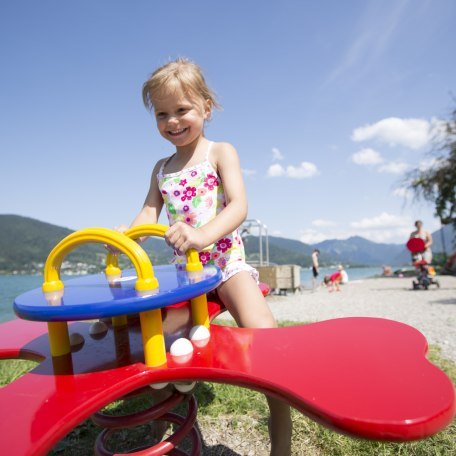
point(182, 236)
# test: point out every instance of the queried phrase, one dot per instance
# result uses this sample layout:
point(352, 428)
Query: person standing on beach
point(421, 233)
point(315, 268)
point(202, 189)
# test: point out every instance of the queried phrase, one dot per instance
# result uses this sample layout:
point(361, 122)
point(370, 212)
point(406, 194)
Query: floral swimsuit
point(195, 196)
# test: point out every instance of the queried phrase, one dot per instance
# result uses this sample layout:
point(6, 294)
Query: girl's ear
point(207, 110)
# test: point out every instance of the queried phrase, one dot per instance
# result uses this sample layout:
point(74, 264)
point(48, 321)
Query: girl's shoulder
point(221, 155)
point(222, 152)
point(158, 168)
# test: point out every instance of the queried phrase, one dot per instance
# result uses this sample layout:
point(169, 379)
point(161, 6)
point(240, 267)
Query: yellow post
point(200, 314)
point(119, 321)
point(153, 339)
point(59, 339)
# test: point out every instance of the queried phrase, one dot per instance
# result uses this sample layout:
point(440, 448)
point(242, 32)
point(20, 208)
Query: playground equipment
point(366, 377)
point(424, 272)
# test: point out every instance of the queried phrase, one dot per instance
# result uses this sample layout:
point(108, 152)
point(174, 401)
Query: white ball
point(200, 335)
point(98, 329)
point(76, 341)
point(184, 387)
point(181, 350)
point(158, 386)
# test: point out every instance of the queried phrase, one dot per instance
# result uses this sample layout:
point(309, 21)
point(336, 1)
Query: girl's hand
point(183, 237)
point(120, 229)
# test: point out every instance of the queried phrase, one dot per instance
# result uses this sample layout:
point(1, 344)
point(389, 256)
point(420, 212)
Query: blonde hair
point(180, 74)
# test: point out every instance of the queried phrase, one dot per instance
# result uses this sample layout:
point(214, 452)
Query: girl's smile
point(178, 132)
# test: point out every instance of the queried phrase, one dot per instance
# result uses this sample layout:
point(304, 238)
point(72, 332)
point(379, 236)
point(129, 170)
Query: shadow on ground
point(444, 301)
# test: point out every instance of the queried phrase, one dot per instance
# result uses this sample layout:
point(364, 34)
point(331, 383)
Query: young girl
point(203, 192)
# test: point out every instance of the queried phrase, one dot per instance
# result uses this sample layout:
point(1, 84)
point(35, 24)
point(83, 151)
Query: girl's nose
point(172, 120)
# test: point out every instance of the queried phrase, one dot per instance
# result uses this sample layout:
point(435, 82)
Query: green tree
point(437, 183)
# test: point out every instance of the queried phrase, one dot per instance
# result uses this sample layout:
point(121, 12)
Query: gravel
point(432, 311)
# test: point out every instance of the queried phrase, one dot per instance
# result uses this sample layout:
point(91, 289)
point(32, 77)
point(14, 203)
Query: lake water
point(13, 285)
point(353, 274)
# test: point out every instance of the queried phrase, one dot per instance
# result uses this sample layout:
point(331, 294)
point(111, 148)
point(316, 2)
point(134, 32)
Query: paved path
point(433, 312)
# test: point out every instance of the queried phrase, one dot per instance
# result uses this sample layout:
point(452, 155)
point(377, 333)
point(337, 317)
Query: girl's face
point(180, 119)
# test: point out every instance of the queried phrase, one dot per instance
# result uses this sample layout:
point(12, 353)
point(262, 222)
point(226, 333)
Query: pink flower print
point(238, 240)
point(208, 202)
point(223, 245)
point(193, 173)
point(190, 218)
point(183, 182)
point(201, 191)
point(204, 257)
point(188, 193)
point(221, 263)
point(186, 208)
point(211, 181)
point(176, 192)
point(215, 256)
point(164, 192)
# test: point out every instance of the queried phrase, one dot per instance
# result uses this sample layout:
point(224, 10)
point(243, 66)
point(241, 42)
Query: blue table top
point(90, 297)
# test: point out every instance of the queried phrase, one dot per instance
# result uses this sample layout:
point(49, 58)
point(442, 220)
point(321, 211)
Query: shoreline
point(432, 312)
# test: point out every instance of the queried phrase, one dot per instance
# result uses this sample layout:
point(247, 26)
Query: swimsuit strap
point(165, 161)
point(209, 150)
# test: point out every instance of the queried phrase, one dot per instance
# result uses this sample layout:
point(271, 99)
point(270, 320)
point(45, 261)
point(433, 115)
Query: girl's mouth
point(179, 132)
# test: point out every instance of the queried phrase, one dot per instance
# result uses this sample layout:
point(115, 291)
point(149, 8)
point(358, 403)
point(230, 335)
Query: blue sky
point(328, 104)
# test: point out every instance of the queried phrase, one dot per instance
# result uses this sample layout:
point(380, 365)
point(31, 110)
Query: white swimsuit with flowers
point(195, 196)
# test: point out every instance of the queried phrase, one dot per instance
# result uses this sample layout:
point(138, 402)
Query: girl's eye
point(182, 110)
point(160, 115)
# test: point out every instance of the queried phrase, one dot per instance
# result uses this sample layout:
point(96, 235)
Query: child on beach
point(333, 281)
point(202, 189)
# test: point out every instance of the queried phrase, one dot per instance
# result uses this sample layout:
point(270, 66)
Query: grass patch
point(246, 413)
point(10, 369)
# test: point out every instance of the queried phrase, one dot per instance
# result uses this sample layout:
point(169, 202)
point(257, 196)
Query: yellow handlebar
point(146, 279)
point(112, 264)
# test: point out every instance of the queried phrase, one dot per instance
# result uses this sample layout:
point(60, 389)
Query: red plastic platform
point(367, 377)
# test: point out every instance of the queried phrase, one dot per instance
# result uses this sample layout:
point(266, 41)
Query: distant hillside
point(358, 250)
point(281, 250)
point(25, 244)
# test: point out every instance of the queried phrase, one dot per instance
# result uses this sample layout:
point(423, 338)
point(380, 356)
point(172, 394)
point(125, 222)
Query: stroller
point(424, 276)
point(424, 271)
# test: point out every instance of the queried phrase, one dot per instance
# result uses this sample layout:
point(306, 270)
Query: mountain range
point(26, 242)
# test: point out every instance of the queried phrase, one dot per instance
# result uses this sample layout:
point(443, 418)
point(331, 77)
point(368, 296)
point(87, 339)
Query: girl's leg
point(243, 299)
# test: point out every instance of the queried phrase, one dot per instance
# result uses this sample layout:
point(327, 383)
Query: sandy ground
point(433, 312)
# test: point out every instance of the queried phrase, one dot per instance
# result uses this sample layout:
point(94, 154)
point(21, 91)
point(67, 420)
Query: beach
point(433, 311)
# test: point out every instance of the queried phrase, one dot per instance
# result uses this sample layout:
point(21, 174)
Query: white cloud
point(311, 236)
point(248, 172)
point(323, 223)
point(394, 131)
point(384, 227)
point(303, 171)
point(384, 220)
point(402, 192)
point(367, 156)
point(394, 167)
point(276, 154)
point(276, 170)
point(387, 235)
point(427, 164)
